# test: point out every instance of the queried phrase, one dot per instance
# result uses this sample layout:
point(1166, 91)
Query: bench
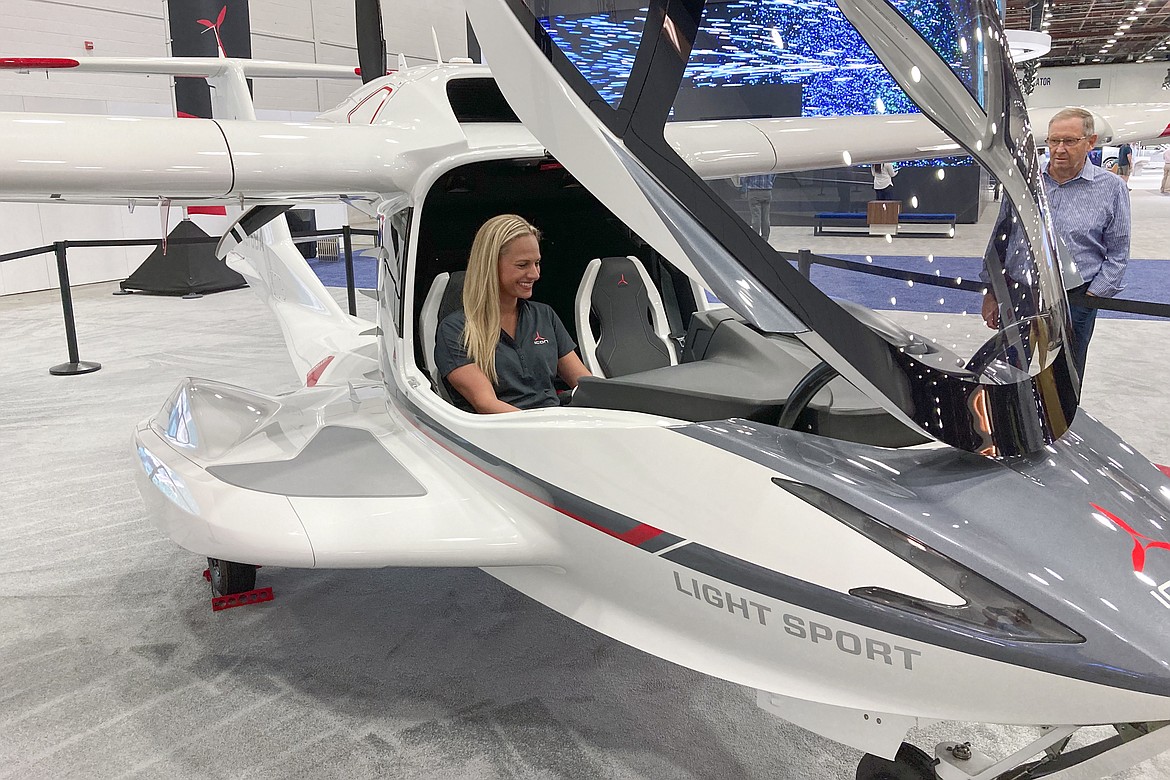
point(844, 222)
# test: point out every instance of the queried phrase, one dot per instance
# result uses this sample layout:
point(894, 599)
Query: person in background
point(758, 190)
point(883, 181)
point(1125, 162)
point(1090, 213)
point(1165, 188)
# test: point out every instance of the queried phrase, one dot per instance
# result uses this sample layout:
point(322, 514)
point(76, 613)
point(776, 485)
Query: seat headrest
point(619, 272)
point(453, 295)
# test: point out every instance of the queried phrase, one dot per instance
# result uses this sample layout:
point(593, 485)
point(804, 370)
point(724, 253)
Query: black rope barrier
point(805, 260)
point(39, 250)
point(76, 365)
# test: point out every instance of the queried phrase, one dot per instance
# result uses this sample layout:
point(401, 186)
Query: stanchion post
point(804, 263)
point(75, 365)
point(345, 236)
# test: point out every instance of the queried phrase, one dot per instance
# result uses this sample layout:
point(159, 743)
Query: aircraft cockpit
point(631, 84)
point(680, 353)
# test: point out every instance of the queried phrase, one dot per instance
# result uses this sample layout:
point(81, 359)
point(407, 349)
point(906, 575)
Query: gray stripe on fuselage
point(926, 477)
point(1064, 660)
point(546, 492)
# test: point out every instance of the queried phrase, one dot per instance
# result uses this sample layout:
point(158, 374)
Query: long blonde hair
point(481, 288)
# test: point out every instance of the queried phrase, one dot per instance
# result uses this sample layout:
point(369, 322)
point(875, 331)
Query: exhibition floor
point(112, 663)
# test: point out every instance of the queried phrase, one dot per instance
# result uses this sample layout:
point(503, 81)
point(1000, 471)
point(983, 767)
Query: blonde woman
point(503, 350)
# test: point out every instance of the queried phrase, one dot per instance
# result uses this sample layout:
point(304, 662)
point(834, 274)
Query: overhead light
point(1131, 18)
point(1124, 26)
point(1112, 40)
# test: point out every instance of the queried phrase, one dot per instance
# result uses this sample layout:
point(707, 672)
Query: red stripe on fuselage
point(638, 535)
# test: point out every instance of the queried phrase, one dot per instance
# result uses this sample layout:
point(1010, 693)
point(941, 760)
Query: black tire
point(911, 763)
point(228, 577)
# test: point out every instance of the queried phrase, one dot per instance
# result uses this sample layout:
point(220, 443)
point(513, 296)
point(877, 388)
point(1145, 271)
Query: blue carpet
point(332, 272)
point(1145, 280)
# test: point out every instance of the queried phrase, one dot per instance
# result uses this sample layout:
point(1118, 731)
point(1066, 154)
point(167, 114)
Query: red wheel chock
point(258, 596)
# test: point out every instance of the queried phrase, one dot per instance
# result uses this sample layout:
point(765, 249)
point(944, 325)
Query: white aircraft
point(870, 529)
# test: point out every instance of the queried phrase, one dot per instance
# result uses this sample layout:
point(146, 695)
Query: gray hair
point(1075, 113)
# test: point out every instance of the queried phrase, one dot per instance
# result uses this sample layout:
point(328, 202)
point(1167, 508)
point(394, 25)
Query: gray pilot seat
point(731, 370)
point(621, 323)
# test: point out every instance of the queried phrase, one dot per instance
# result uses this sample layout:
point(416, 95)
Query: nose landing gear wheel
point(228, 577)
point(911, 763)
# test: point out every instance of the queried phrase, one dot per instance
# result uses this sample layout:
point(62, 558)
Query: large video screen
point(767, 42)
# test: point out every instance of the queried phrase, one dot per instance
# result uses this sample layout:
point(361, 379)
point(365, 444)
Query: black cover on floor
point(185, 268)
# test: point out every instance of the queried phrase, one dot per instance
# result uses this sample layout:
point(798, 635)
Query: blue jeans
point(1083, 320)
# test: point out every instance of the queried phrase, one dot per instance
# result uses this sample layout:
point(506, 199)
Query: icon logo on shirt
point(539, 339)
point(622, 281)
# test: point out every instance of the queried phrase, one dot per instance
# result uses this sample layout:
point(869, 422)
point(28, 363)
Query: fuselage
point(679, 538)
point(675, 538)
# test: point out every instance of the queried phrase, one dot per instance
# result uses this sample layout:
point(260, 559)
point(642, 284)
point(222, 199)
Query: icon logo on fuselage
point(1141, 542)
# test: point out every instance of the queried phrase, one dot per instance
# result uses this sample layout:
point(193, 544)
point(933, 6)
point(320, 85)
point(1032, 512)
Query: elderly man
point(1090, 212)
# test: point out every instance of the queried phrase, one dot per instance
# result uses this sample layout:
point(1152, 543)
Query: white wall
point(297, 30)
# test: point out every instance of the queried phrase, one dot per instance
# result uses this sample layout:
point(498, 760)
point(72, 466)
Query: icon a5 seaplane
point(869, 528)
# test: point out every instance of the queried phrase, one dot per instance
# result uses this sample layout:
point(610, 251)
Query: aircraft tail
point(326, 344)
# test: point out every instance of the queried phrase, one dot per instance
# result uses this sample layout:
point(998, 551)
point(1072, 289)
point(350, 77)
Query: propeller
point(371, 44)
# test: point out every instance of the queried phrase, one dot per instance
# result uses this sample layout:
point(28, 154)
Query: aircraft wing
point(68, 158)
point(196, 67)
point(64, 158)
point(723, 148)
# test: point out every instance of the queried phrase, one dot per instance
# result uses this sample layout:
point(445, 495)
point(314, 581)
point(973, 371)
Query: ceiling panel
point(1091, 31)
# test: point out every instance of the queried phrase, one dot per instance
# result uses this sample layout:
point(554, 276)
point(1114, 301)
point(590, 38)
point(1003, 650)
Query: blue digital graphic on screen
point(764, 43)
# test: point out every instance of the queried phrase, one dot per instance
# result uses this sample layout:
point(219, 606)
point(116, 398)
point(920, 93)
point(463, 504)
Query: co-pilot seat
point(444, 297)
point(621, 322)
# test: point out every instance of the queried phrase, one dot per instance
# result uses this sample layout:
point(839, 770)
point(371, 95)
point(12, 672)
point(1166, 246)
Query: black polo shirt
point(526, 365)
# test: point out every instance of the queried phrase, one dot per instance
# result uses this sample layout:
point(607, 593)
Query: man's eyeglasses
point(1054, 142)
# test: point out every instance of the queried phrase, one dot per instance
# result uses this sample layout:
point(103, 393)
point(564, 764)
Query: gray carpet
point(113, 665)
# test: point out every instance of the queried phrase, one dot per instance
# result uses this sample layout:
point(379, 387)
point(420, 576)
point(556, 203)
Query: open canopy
point(598, 90)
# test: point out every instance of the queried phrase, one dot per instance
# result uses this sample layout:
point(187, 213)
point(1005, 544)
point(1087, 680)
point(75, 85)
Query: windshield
point(797, 122)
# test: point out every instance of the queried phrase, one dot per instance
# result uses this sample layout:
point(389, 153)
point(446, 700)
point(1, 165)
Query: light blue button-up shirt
point(1090, 212)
